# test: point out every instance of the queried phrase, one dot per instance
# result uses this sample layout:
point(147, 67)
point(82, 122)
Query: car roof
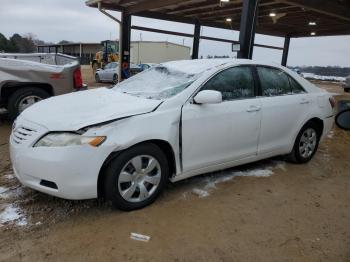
point(198, 66)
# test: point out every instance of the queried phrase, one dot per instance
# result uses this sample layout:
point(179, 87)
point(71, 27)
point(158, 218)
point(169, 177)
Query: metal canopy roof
point(332, 17)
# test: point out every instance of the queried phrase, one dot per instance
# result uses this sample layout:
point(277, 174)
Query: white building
point(157, 52)
point(140, 51)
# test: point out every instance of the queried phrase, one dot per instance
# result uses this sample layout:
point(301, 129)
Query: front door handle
point(253, 109)
point(304, 101)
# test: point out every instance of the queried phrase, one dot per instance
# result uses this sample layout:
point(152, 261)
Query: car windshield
point(159, 82)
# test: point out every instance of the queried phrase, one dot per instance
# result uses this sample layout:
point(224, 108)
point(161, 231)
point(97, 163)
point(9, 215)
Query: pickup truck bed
point(28, 78)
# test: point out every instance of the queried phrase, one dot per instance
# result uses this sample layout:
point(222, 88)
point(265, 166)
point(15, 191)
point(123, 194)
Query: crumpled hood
point(74, 111)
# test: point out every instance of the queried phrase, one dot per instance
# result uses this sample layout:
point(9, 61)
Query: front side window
point(273, 82)
point(233, 83)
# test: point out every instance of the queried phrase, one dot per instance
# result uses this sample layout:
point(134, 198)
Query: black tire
point(20, 94)
point(94, 66)
point(295, 156)
point(115, 167)
point(347, 90)
point(97, 78)
point(115, 79)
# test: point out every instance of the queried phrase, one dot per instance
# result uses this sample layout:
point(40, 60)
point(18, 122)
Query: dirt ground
point(289, 213)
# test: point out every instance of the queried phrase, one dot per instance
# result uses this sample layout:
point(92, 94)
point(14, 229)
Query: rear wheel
point(306, 144)
point(115, 79)
point(24, 98)
point(136, 177)
point(94, 66)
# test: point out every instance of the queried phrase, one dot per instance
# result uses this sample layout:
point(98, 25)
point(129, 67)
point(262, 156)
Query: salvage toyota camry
point(173, 121)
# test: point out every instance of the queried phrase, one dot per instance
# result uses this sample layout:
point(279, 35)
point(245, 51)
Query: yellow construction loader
point(108, 54)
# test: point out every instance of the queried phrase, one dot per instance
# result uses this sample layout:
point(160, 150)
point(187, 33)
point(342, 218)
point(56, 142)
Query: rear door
point(285, 106)
point(219, 133)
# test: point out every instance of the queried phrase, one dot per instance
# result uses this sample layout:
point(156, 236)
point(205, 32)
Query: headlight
point(69, 139)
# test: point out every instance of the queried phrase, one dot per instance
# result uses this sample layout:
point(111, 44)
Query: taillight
point(78, 80)
point(332, 101)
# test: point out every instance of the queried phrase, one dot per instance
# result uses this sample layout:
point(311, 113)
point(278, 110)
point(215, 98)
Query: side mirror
point(208, 97)
point(343, 119)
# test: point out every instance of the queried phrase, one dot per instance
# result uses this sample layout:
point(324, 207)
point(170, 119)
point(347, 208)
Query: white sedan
point(110, 72)
point(176, 120)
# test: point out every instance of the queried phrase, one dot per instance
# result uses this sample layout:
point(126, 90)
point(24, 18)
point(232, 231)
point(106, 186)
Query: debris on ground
point(139, 237)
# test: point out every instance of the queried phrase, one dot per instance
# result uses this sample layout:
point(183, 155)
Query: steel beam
point(124, 51)
point(247, 28)
point(160, 31)
point(196, 39)
point(285, 51)
point(150, 4)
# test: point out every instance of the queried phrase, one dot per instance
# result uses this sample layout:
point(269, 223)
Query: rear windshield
point(158, 82)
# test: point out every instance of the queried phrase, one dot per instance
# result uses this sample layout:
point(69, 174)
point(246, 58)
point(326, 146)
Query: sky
point(72, 20)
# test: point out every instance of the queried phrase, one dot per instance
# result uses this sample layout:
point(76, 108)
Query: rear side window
point(296, 87)
point(233, 83)
point(273, 82)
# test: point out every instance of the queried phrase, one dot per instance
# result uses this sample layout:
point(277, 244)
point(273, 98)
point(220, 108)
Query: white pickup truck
point(28, 78)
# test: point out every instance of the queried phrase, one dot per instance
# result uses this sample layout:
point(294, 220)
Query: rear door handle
point(304, 101)
point(253, 109)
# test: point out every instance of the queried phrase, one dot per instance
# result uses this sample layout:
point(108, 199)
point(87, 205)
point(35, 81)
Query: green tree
point(4, 43)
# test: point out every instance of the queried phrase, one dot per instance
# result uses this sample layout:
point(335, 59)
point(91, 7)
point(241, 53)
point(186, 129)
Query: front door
point(219, 133)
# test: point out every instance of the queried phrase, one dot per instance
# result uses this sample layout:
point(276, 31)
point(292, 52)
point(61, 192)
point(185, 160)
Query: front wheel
point(306, 144)
point(136, 177)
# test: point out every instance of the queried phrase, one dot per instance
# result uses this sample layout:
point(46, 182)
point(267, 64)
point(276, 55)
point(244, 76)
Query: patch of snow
point(200, 192)
point(330, 134)
point(280, 165)
point(11, 193)
point(22, 222)
point(204, 189)
point(195, 66)
point(326, 78)
point(3, 189)
point(9, 176)
point(12, 214)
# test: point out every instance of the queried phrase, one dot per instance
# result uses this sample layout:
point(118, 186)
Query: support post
point(285, 51)
point(80, 50)
point(247, 28)
point(251, 49)
point(124, 51)
point(196, 39)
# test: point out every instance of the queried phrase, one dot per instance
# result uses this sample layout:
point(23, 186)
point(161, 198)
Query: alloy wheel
point(308, 142)
point(139, 178)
